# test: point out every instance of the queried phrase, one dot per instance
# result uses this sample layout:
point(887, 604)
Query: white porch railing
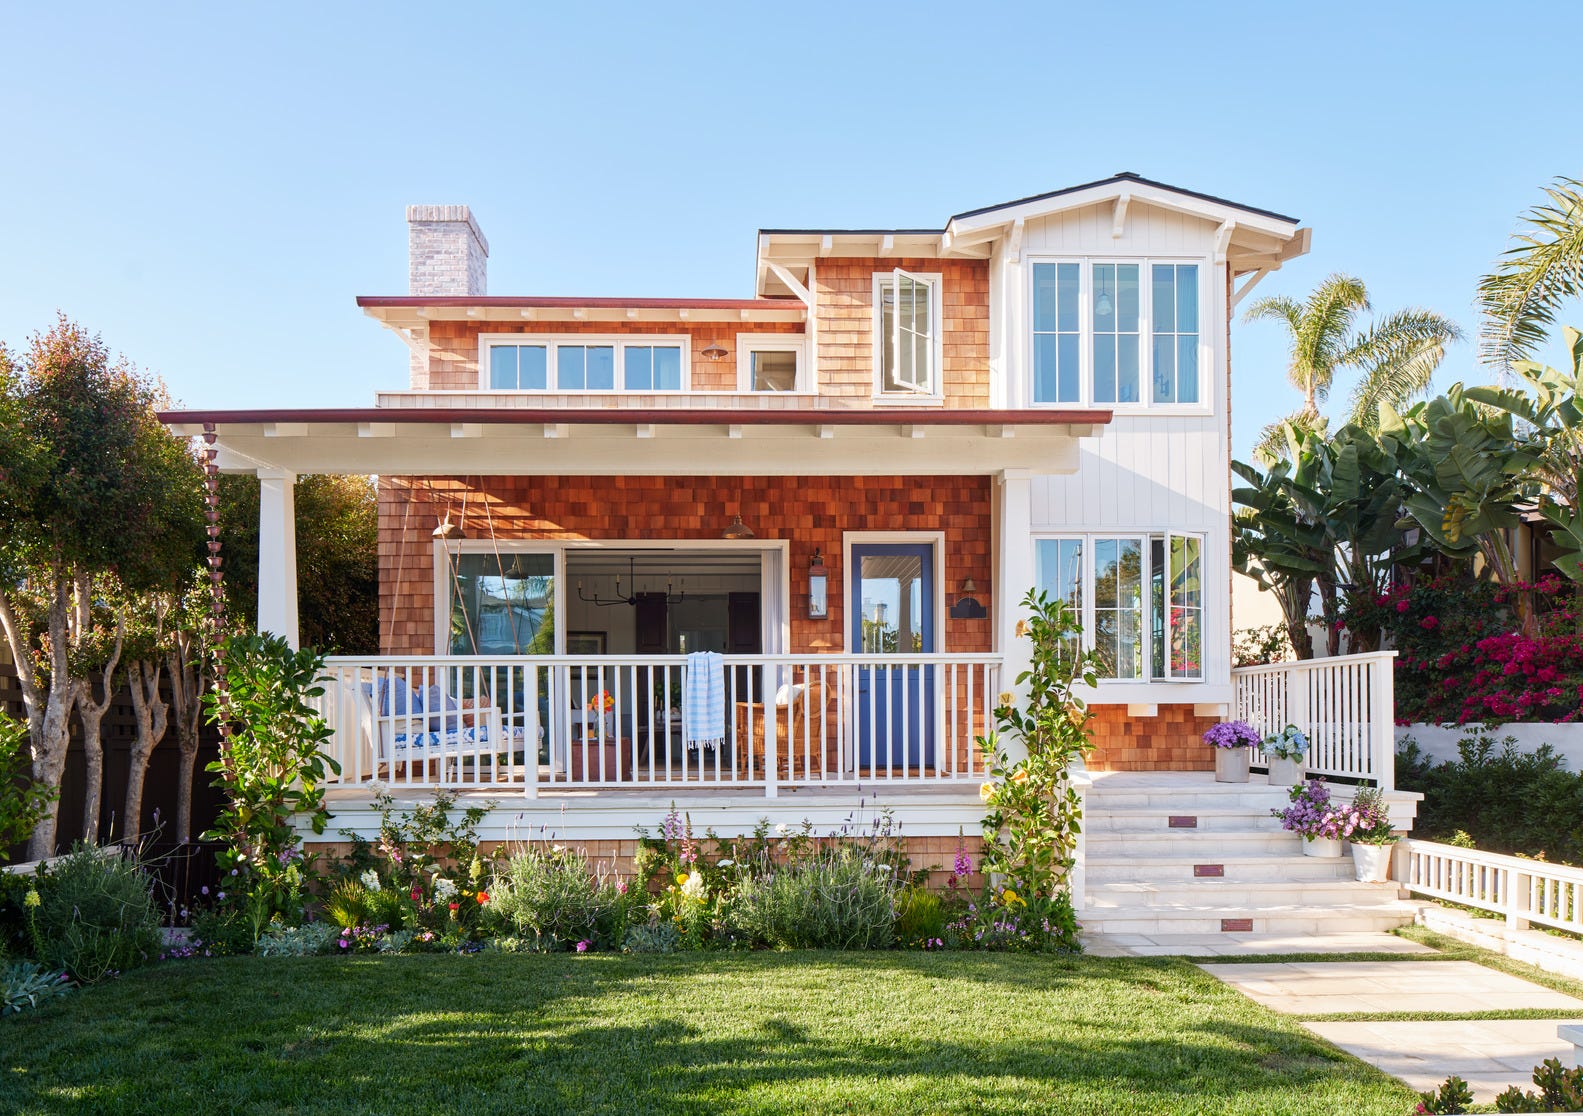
point(1346, 705)
point(538, 723)
point(1524, 891)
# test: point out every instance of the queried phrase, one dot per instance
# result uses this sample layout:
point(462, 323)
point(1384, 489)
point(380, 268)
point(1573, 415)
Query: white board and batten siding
point(1154, 469)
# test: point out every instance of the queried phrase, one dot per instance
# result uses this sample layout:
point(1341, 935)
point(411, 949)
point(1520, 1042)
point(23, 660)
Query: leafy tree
point(1534, 277)
point(1396, 355)
point(1276, 542)
point(90, 484)
point(337, 559)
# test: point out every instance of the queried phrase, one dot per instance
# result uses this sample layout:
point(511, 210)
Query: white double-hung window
point(1139, 596)
point(1116, 332)
point(907, 333)
point(582, 363)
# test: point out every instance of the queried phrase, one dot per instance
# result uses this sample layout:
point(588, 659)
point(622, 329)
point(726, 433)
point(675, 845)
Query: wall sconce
point(715, 351)
point(818, 587)
point(967, 606)
point(737, 530)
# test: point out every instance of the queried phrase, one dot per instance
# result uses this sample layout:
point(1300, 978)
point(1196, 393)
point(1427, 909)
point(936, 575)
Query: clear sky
point(211, 186)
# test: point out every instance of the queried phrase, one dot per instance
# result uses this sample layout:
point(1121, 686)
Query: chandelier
point(671, 598)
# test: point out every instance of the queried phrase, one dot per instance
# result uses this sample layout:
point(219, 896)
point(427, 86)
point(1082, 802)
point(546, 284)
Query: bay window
point(1115, 332)
point(583, 363)
point(907, 333)
point(1139, 597)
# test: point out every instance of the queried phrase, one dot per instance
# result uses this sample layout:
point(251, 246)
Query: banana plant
point(1277, 544)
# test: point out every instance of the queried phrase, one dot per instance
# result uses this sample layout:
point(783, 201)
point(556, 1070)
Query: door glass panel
point(502, 604)
point(892, 604)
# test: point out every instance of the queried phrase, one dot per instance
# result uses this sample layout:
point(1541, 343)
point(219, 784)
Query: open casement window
point(502, 604)
point(1177, 607)
point(907, 330)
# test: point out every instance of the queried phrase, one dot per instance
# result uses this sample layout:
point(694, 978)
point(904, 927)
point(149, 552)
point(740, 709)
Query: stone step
point(1153, 819)
point(1302, 918)
point(1258, 798)
point(1199, 844)
point(1275, 866)
point(1124, 895)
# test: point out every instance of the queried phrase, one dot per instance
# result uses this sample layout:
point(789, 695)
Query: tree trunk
point(1294, 609)
point(91, 712)
point(150, 715)
point(49, 710)
point(186, 691)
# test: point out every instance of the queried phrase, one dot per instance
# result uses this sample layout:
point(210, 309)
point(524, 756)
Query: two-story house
point(843, 485)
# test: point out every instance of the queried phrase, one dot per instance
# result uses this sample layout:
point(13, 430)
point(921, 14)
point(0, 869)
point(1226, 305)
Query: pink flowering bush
point(1461, 659)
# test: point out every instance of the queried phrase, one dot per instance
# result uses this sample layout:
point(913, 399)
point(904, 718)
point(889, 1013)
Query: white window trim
point(750, 343)
point(936, 302)
point(1085, 334)
point(1088, 611)
point(619, 341)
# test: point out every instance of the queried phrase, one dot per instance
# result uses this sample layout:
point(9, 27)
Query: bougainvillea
point(1461, 659)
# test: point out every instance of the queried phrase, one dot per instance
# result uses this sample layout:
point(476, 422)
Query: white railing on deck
point(528, 723)
point(1524, 891)
point(1346, 705)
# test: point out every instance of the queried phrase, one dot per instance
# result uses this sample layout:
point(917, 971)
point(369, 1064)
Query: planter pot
point(1372, 862)
point(1231, 765)
point(1328, 847)
point(1286, 773)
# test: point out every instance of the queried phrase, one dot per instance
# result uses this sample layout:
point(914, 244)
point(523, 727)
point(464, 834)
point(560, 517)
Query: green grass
point(795, 1032)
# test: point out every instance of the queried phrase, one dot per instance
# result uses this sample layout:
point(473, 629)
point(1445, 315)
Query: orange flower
point(483, 897)
point(1022, 628)
point(986, 790)
point(1021, 776)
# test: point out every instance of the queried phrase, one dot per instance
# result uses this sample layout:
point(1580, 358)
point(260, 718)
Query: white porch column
point(277, 553)
point(1016, 574)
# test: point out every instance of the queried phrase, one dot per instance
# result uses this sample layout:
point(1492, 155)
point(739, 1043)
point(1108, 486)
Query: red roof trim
point(614, 416)
point(562, 302)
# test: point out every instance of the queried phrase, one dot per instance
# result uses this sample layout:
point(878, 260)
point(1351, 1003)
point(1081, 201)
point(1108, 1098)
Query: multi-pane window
point(1115, 332)
point(1059, 571)
point(1175, 303)
point(1115, 326)
point(580, 363)
point(1139, 597)
point(1057, 333)
point(906, 332)
point(1118, 606)
point(518, 367)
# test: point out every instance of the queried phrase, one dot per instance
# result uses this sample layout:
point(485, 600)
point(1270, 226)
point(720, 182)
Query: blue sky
point(210, 187)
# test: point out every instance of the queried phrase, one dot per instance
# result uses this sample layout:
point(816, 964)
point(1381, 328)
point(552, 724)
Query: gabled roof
point(1123, 176)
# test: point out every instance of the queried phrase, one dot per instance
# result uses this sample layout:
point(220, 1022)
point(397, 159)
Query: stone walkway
point(1490, 1055)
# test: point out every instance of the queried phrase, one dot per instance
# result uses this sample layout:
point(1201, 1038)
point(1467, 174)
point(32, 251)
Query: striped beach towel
point(704, 700)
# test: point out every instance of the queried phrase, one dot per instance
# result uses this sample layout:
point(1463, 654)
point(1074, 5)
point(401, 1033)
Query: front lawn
point(763, 1032)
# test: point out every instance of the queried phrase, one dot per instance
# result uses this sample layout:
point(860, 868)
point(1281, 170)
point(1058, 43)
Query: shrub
point(347, 905)
point(653, 937)
point(222, 932)
point(1506, 800)
point(1453, 1096)
point(836, 899)
point(25, 799)
point(1560, 1090)
point(550, 896)
point(26, 984)
point(1005, 920)
point(1033, 813)
point(920, 916)
point(95, 915)
point(272, 770)
point(299, 941)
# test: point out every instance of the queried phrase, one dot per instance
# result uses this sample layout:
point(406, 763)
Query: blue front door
point(892, 610)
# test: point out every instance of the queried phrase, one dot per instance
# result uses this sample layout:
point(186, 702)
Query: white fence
point(1346, 706)
point(1524, 891)
point(537, 723)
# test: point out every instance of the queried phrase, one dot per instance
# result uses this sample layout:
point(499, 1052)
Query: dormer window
point(583, 363)
point(1116, 333)
point(906, 334)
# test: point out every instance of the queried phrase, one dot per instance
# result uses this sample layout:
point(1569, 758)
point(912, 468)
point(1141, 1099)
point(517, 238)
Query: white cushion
point(788, 694)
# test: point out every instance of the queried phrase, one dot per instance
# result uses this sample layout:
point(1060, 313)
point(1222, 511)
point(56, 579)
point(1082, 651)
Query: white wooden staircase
point(1177, 854)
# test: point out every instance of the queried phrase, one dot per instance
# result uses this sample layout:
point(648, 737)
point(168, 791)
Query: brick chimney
point(447, 253)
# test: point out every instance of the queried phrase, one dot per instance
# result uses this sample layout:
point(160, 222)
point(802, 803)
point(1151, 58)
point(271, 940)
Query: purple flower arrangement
point(1233, 734)
point(1312, 814)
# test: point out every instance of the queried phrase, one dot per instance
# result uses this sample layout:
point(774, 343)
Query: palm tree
point(1396, 354)
point(1540, 271)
